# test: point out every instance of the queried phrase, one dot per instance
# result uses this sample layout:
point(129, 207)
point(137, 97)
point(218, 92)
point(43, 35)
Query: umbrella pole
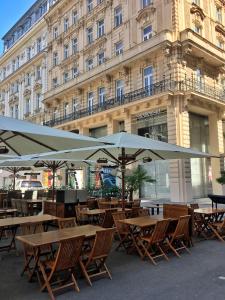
point(14, 178)
point(123, 166)
point(53, 181)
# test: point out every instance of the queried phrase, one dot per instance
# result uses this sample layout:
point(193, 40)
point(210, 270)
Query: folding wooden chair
point(29, 252)
point(123, 231)
point(194, 205)
point(66, 223)
point(94, 264)
point(142, 212)
point(218, 229)
point(81, 219)
point(67, 258)
point(176, 240)
point(153, 242)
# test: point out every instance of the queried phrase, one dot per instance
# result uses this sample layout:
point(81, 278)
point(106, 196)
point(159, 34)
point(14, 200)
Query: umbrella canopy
point(20, 138)
point(128, 148)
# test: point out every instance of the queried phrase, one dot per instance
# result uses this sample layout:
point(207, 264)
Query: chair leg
point(107, 270)
point(85, 272)
point(76, 287)
point(146, 253)
point(163, 253)
point(216, 233)
point(46, 284)
point(182, 243)
point(173, 249)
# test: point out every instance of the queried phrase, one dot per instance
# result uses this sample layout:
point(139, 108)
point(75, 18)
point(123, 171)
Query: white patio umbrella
point(126, 149)
point(20, 138)
point(24, 162)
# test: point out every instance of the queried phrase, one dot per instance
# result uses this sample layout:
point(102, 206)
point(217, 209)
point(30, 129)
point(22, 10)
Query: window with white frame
point(13, 65)
point(89, 35)
point(11, 111)
point(146, 3)
point(17, 62)
point(89, 5)
point(28, 79)
point(101, 28)
point(65, 77)
point(75, 17)
point(74, 104)
point(74, 45)
point(38, 72)
point(66, 51)
point(38, 45)
point(101, 57)
point(54, 82)
point(148, 79)
point(101, 96)
point(147, 32)
point(17, 86)
point(28, 53)
point(27, 106)
point(197, 28)
point(119, 89)
point(219, 14)
point(119, 48)
point(89, 64)
point(75, 72)
point(66, 24)
point(66, 109)
point(118, 18)
point(38, 101)
point(55, 32)
point(90, 101)
point(55, 59)
point(17, 111)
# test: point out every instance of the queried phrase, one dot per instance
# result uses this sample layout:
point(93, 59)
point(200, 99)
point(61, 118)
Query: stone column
point(178, 133)
point(216, 147)
point(112, 126)
point(129, 123)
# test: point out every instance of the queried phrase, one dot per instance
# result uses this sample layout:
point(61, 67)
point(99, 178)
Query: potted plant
point(136, 179)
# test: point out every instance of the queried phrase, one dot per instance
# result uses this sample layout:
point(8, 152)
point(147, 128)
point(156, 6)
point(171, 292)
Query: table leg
point(12, 244)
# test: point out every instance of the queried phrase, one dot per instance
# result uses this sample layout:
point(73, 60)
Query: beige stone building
point(151, 67)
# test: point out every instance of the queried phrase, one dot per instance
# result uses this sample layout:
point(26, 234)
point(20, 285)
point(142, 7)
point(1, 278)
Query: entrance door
point(148, 79)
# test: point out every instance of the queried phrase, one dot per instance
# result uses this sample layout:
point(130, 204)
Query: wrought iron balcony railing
point(166, 85)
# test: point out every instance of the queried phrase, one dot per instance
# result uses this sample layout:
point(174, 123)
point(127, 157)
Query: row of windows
point(218, 11)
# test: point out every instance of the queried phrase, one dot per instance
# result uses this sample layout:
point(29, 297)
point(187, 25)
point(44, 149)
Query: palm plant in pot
point(221, 179)
point(135, 180)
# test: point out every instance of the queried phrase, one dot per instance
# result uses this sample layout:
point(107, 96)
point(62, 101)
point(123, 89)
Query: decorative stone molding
point(37, 86)
point(195, 9)
point(146, 13)
point(220, 29)
point(27, 92)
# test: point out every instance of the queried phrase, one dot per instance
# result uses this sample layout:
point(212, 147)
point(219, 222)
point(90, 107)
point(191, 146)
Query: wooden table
point(8, 211)
point(13, 223)
point(208, 215)
point(137, 226)
point(112, 203)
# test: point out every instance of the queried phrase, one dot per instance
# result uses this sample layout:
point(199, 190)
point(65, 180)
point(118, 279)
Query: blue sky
point(10, 12)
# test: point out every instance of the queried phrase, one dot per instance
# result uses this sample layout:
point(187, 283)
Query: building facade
point(150, 67)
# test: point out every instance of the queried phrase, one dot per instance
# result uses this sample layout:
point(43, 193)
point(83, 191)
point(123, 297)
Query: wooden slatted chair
point(136, 203)
point(142, 212)
point(123, 231)
point(218, 229)
point(176, 240)
point(198, 224)
point(81, 219)
point(194, 205)
point(67, 258)
point(108, 219)
point(94, 264)
point(29, 252)
point(155, 241)
point(66, 223)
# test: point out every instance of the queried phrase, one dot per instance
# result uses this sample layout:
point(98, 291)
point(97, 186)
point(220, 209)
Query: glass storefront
point(154, 125)
point(200, 167)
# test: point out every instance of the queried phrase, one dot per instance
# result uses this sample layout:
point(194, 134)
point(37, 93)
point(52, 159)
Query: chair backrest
point(13, 203)
point(66, 223)
point(136, 203)
point(19, 205)
point(159, 232)
point(194, 205)
point(143, 212)
point(25, 207)
point(117, 216)
point(182, 228)
point(102, 244)
point(32, 228)
point(92, 203)
point(68, 253)
point(174, 210)
point(28, 195)
point(108, 219)
point(78, 208)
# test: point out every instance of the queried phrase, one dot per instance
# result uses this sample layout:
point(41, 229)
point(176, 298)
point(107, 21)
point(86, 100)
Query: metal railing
point(165, 85)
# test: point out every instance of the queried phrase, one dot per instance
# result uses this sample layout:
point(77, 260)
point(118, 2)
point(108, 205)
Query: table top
point(209, 210)
point(92, 212)
point(145, 221)
point(23, 220)
point(50, 237)
point(112, 202)
point(33, 201)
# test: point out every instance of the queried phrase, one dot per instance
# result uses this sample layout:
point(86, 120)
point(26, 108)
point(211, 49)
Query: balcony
point(196, 45)
point(189, 85)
